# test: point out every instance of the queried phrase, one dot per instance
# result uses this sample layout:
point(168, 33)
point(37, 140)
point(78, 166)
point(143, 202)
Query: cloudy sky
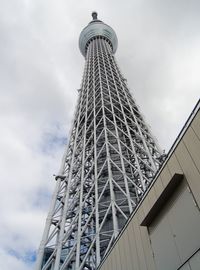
point(40, 72)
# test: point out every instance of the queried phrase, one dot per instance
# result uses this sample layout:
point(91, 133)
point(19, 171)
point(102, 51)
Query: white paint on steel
point(110, 161)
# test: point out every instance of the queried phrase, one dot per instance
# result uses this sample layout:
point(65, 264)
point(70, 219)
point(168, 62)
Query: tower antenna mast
point(110, 161)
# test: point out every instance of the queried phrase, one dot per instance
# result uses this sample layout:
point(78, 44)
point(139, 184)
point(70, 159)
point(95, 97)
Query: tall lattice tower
point(110, 160)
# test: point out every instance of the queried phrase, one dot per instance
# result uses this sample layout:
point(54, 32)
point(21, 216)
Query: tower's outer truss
point(110, 161)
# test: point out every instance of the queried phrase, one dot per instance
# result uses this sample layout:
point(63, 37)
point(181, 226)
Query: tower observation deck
point(110, 161)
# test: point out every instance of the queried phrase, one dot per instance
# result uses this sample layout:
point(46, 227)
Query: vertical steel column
point(98, 258)
point(115, 223)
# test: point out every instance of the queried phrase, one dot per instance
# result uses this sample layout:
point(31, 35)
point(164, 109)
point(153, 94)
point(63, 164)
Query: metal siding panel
point(145, 206)
point(145, 240)
point(147, 249)
point(140, 214)
point(133, 249)
point(118, 259)
point(184, 218)
point(158, 186)
point(192, 144)
point(195, 261)
point(122, 248)
point(189, 169)
point(163, 244)
point(141, 255)
point(104, 267)
point(108, 265)
point(196, 125)
point(114, 260)
point(165, 176)
point(128, 251)
point(111, 263)
point(173, 165)
point(152, 197)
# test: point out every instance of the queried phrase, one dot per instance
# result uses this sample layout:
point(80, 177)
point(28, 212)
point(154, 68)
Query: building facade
point(163, 232)
point(108, 165)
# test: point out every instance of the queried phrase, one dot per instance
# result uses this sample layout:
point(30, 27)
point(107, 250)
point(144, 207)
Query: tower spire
point(109, 163)
point(94, 15)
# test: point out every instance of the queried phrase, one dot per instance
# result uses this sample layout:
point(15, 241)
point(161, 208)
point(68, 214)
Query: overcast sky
point(40, 71)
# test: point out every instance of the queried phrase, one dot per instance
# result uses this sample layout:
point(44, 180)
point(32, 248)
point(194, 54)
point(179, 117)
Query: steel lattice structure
point(110, 160)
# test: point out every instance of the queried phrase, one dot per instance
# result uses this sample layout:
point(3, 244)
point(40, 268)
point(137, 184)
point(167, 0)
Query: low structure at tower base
point(163, 233)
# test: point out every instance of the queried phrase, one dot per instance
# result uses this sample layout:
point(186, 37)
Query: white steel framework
point(110, 160)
